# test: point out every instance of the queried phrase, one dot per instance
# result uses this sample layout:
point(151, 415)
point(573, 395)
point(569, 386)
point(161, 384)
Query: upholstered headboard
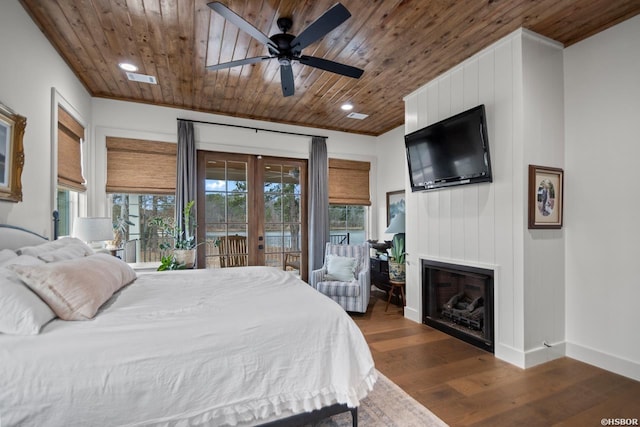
point(12, 237)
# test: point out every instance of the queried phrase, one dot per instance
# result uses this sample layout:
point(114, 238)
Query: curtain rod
point(253, 128)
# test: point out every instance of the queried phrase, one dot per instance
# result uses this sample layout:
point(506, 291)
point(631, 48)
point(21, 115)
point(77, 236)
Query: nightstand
point(379, 272)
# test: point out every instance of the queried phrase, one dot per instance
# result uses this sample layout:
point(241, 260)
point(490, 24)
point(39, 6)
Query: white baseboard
point(543, 354)
point(557, 350)
point(509, 354)
point(618, 365)
point(412, 314)
point(529, 358)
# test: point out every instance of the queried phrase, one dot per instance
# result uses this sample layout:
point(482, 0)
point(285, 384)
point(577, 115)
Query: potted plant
point(396, 259)
point(120, 226)
point(181, 243)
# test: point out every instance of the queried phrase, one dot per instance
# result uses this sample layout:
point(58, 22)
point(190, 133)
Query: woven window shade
point(349, 182)
point(140, 167)
point(70, 135)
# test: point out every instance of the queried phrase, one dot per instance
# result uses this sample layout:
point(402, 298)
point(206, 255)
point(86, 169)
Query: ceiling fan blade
point(286, 80)
point(239, 22)
point(334, 67)
point(320, 27)
point(237, 63)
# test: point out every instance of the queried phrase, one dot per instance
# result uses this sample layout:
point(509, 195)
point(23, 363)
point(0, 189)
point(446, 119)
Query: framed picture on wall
point(11, 154)
point(545, 197)
point(395, 204)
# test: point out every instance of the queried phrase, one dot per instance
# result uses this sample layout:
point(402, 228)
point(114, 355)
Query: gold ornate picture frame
point(546, 194)
point(12, 128)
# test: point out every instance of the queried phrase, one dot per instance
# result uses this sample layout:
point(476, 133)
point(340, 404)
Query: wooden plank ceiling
point(400, 44)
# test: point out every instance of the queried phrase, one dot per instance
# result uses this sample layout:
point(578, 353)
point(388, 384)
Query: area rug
point(389, 406)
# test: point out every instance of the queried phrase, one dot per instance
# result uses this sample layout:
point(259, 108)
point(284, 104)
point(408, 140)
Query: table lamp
point(397, 224)
point(93, 230)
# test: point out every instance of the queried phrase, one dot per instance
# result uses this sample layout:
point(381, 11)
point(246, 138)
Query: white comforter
point(203, 347)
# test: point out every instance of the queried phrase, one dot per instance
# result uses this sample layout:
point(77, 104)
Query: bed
point(236, 346)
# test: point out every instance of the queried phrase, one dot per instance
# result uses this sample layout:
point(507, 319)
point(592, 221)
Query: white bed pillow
point(75, 289)
point(341, 268)
point(54, 245)
point(7, 254)
point(66, 252)
point(22, 312)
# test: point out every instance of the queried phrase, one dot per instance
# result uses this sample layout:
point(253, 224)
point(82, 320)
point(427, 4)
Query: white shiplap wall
point(485, 224)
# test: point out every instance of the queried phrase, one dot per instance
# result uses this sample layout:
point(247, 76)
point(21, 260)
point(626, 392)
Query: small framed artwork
point(11, 154)
point(395, 204)
point(545, 197)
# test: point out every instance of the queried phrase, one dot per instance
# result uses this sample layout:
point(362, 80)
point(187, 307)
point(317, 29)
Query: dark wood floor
point(466, 386)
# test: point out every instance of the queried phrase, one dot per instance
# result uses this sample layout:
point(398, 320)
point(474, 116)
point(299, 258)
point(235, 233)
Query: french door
point(252, 211)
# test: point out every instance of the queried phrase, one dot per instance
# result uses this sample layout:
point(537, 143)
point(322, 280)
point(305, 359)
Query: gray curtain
point(186, 180)
point(318, 202)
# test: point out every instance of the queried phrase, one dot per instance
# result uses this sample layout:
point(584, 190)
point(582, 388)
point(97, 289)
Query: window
point(349, 182)
point(67, 210)
point(140, 166)
point(348, 201)
point(141, 179)
point(71, 181)
point(347, 224)
point(70, 136)
point(132, 215)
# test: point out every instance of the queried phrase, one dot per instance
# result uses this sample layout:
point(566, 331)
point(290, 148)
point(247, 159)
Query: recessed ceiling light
point(128, 67)
point(346, 107)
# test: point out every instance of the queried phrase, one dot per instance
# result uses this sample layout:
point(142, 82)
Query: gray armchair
point(352, 295)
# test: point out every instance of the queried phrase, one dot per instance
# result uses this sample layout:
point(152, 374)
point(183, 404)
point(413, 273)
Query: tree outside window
point(347, 223)
point(134, 213)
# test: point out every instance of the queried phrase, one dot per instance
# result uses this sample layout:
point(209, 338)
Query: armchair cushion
point(341, 289)
point(340, 268)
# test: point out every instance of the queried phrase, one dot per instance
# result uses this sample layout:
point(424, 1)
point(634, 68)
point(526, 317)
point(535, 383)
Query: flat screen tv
point(454, 151)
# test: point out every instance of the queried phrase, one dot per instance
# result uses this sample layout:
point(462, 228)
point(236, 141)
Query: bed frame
point(13, 237)
point(315, 416)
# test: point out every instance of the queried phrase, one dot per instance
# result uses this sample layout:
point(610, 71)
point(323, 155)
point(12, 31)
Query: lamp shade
point(397, 224)
point(93, 229)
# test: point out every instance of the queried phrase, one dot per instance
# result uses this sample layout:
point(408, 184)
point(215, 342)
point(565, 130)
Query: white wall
point(143, 121)
point(30, 68)
point(602, 100)
point(484, 225)
point(391, 176)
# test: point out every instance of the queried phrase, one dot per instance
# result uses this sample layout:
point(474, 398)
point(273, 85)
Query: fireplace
point(458, 300)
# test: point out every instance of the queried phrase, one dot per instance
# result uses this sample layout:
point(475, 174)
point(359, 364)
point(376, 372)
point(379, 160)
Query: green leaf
point(397, 251)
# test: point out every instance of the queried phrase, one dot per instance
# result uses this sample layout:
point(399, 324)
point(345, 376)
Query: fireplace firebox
point(458, 300)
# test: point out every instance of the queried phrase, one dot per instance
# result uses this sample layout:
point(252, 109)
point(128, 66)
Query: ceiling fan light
point(128, 67)
point(347, 106)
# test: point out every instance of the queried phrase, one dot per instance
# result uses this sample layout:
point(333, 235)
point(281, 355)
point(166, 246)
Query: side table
point(395, 285)
point(379, 269)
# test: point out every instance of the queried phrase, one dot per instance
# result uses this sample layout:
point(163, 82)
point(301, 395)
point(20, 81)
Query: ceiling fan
point(287, 48)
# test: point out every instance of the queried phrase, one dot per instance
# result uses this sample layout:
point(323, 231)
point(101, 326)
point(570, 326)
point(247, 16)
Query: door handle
point(260, 246)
